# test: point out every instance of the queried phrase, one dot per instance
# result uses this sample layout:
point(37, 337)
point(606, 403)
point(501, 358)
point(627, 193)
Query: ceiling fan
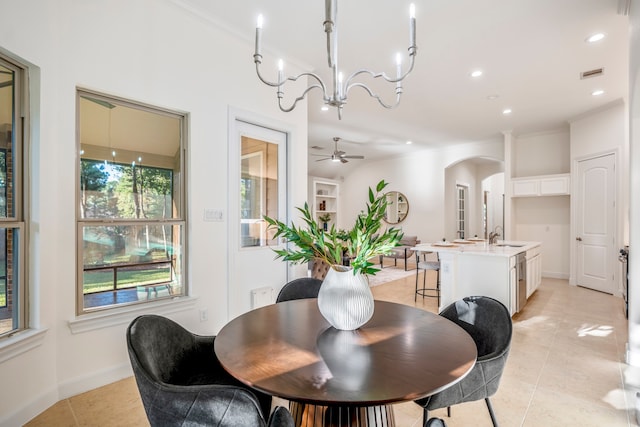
point(337, 155)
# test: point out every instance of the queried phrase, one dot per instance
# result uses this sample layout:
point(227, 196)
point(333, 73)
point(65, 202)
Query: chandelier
point(336, 96)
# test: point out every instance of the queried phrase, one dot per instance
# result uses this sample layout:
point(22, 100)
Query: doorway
point(596, 260)
point(257, 187)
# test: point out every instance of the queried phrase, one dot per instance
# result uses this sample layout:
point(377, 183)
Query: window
point(258, 191)
point(461, 210)
point(131, 216)
point(13, 302)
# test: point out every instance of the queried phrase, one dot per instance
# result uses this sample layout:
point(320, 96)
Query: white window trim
point(125, 315)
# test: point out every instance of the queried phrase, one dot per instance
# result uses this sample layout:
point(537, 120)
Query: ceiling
point(531, 52)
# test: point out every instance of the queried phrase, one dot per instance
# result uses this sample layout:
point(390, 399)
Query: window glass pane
point(258, 191)
point(130, 263)
point(7, 121)
point(125, 191)
point(10, 295)
point(130, 161)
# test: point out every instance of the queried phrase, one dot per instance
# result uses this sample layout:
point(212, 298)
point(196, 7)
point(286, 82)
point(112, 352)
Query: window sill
point(118, 316)
point(20, 343)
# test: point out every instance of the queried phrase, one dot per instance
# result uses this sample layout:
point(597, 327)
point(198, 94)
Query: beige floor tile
point(555, 409)
point(59, 415)
point(116, 404)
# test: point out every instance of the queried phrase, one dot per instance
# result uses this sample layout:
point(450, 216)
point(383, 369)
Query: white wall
point(544, 219)
point(154, 52)
point(542, 153)
point(421, 177)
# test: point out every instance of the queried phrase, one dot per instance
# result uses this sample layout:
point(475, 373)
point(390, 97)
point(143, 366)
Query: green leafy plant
point(361, 243)
point(325, 218)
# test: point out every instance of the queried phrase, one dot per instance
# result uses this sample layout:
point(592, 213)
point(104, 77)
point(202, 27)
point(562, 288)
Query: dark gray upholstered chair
point(304, 287)
point(489, 323)
point(181, 382)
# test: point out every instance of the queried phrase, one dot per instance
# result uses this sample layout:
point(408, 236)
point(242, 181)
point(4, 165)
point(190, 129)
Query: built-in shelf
point(325, 201)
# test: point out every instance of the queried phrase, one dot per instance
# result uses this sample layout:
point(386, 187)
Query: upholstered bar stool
point(427, 265)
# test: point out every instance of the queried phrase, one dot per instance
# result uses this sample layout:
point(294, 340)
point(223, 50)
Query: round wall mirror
point(397, 209)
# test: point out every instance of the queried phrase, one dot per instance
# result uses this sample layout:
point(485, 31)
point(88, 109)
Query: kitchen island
point(509, 271)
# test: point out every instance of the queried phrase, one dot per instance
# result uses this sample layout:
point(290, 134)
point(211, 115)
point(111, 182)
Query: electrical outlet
point(204, 315)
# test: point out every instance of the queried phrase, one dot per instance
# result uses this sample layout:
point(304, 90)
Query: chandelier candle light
point(340, 88)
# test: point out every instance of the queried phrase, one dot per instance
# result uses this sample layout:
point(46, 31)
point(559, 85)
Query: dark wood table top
point(289, 350)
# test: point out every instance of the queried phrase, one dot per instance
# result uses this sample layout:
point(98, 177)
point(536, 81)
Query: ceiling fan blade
point(326, 158)
point(352, 157)
point(343, 160)
point(321, 155)
point(339, 153)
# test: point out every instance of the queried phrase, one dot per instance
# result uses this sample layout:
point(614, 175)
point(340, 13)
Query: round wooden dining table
point(344, 378)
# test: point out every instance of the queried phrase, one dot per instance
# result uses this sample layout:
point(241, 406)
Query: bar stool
point(426, 266)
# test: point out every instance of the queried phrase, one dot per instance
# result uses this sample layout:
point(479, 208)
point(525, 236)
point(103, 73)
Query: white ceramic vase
point(345, 299)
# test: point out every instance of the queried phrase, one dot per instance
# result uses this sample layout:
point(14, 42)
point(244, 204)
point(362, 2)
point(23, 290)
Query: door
point(257, 187)
point(595, 223)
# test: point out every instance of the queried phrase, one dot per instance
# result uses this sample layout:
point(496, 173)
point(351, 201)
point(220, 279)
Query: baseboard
point(34, 407)
point(94, 380)
point(555, 275)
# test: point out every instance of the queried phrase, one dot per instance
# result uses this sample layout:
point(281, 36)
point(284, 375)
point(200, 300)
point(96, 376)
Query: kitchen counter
point(508, 271)
point(501, 248)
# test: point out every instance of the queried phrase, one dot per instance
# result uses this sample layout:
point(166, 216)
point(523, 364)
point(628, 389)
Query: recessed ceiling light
point(597, 92)
point(506, 111)
point(476, 73)
point(409, 142)
point(595, 37)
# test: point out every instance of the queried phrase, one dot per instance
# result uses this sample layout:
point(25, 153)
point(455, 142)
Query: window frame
point(21, 126)
point(180, 201)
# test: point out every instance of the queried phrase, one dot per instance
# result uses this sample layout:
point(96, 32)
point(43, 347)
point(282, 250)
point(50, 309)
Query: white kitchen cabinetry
point(543, 185)
point(325, 201)
point(534, 270)
point(513, 285)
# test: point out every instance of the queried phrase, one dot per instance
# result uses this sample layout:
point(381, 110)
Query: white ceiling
point(531, 51)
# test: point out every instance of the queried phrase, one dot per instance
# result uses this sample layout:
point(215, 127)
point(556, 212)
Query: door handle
point(579, 239)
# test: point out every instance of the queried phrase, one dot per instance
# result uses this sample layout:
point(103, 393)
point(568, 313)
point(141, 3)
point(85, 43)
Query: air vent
point(592, 73)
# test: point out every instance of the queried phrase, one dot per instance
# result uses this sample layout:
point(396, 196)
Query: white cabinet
point(534, 270)
point(513, 285)
point(544, 185)
point(325, 201)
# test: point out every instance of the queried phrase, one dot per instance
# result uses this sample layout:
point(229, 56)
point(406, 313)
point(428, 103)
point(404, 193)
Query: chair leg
point(493, 416)
point(425, 417)
point(449, 411)
point(438, 286)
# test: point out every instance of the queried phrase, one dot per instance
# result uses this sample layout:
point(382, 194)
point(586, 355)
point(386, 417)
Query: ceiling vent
point(592, 73)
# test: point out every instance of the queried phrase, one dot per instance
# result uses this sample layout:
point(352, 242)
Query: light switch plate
point(213, 215)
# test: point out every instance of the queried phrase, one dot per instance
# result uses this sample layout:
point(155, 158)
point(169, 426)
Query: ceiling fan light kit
point(340, 87)
point(337, 155)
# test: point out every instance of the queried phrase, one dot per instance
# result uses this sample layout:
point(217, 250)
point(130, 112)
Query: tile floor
point(565, 369)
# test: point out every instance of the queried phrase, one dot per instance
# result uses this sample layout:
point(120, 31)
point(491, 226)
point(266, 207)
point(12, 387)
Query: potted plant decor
point(325, 218)
point(345, 288)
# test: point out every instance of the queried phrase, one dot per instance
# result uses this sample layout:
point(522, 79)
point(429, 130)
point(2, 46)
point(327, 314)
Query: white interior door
point(595, 224)
point(257, 187)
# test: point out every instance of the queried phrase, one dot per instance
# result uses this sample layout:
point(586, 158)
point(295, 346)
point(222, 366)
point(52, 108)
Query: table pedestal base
point(307, 415)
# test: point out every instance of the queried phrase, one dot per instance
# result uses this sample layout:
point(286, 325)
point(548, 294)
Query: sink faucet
point(493, 236)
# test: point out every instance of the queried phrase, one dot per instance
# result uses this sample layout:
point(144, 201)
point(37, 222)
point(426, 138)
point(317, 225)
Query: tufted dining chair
point(182, 383)
point(489, 323)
